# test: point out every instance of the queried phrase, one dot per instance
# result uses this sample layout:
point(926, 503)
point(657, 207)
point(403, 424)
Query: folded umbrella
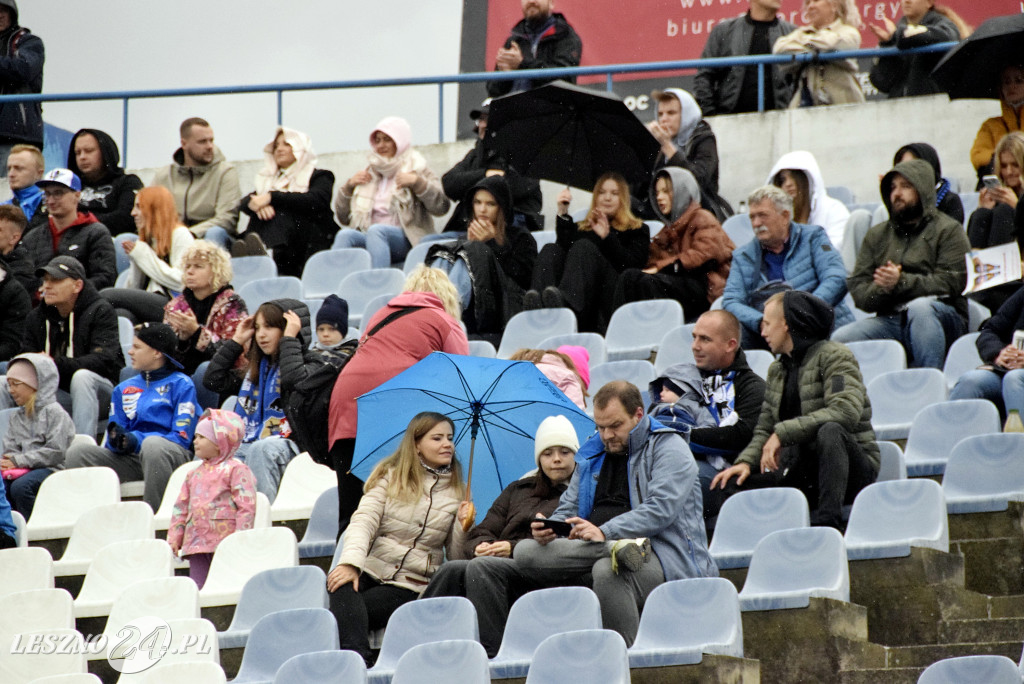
point(972, 69)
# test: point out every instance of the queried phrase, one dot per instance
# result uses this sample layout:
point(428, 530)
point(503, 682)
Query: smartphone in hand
point(560, 528)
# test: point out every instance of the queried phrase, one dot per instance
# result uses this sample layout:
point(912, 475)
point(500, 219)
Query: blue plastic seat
point(749, 516)
point(635, 329)
point(739, 229)
point(684, 619)
point(322, 530)
point(985, 472)
point(970, 202)
point(418, 254)
point(654, 227)
point(890, 517)
point(592, 342)
point(303, 586)
point(125, 334)
point(537, 615)
point(853, 235)
point(893, 466)
point(897, 396)
point(375, 305)
point(482, 348)
point(990, 669)
point(592, 655)
point(876, 357)
point(759, 360)
point(282, 635)
point(359, 288)
point(421, 622)
point(841, 193)
point(544, 237)
point(528, 328)
point(323, 667)
point(457, 660)
point(640, 373)
point(255, 293)
point(249, 268)
point(976, 315)
point(674, 347)
point(325, 270)
point(937, 428)
point(961, 357)
point(790, 567)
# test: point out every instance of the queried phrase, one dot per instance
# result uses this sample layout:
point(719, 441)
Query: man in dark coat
point(543, 39)
point(107, 191)
point(21, 72)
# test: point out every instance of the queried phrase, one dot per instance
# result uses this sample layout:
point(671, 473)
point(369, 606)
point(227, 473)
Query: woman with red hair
point(153, 275)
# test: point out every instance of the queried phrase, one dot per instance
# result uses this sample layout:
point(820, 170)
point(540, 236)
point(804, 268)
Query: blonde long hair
point(403, 469)
point(427, 279)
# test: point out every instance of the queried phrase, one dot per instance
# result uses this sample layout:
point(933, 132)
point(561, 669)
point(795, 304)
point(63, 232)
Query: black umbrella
point(972, 68)
point(571, 135)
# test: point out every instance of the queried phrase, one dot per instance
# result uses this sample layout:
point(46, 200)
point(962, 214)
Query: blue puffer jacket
point(812, 265)
point(664, 495)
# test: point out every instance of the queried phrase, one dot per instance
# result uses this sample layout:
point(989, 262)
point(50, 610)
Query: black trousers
point(690, 290)
point(359, 612)
point(350, 487)
point(585, 278)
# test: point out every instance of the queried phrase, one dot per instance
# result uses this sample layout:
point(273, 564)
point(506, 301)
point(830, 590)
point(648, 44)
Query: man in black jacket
point(14, 258)
point(543, 39)
point(21, 72)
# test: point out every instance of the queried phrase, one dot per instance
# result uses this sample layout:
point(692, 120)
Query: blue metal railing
point(608, 70)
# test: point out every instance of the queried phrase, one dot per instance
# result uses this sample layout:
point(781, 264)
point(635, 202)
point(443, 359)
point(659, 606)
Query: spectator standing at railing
point(543, 39)
point(21, 72)
point(732, 90)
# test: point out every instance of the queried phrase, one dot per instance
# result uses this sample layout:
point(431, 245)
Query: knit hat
point(23, 371)
point(581, 359)
point(161, 337)
point(554, 431)
point(223, 428)
point(334, 312)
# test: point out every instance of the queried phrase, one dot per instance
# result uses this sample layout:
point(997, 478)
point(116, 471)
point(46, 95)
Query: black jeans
point(358, 612)
point(350, 487)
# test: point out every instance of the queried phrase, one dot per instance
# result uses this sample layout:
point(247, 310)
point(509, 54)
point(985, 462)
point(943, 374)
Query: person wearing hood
point(21, 72)
point(492, 266)
point(14, 258)
point(947, 201)
point(39, 432)
point(688, 142)
point(921, 24)
point(152, 417)
point(814, 432)
point(389, 206)
point(1011, 97)
point(291, 207)
point(911, 271)
point(107, 191)
point(797, 173)
point(833, 27)
point(15, 302)
point(205, 186)
point(543, 39)
point(78, 329)
point(560, 369)
point(25, 167)
point(71, 232)
point(689, 259)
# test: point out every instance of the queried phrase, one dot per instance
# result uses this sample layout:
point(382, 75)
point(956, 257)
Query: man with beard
point(911, 271)
point(542, 40)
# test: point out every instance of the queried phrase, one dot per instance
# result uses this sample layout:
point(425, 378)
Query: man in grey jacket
point(634, 503)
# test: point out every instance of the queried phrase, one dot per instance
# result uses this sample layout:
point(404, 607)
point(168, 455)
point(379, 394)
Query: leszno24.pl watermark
point(136, 647)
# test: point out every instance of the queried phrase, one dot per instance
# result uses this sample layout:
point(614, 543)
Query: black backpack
point(307, 405)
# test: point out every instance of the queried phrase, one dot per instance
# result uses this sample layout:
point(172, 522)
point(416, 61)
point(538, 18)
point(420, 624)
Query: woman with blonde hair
point(153, 273)
point(1011, 97)
point(419, 321)
point(832, 27)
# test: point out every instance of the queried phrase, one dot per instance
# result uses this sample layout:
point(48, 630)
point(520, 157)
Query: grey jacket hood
point(685, 191)
point(13, 6)
point(46, 374)
point(687, 377)
point(921, 175)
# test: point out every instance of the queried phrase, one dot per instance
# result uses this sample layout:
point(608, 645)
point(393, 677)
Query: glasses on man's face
point(55, 193)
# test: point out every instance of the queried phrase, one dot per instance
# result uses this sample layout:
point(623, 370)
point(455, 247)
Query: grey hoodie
point(685, 191)
point(40, 441)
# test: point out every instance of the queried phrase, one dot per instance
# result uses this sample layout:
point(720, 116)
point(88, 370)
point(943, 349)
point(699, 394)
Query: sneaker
point(531, 300)
point(630, 554)
point(552, 298)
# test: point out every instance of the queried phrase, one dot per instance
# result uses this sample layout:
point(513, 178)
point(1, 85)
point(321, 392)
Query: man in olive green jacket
point(814, 432)
point(911, 271)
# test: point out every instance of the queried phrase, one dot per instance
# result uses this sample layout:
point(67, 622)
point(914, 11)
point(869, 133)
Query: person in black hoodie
point(946, 201)
point(543, 39)
point(921, 24)
point(14, 258)
point(21, 72)
point(107, 191)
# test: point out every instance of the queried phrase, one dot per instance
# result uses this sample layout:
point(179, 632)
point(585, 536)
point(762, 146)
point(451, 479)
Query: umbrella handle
point(471, 518)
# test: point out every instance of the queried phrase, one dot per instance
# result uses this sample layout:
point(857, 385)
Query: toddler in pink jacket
point(217, 498)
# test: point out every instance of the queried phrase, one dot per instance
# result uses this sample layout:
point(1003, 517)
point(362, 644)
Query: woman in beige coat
point(411, 513)
point(833, 28)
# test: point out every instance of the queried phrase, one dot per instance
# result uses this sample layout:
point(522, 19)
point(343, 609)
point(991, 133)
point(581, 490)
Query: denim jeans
point(1005, 391)
point(384, 243)
point(459, 275)
point(267, 458)
point(219, 237)
point(22, 491)
point(925, 329)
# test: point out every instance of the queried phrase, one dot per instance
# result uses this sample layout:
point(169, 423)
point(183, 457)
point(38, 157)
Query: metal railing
point(608, 70)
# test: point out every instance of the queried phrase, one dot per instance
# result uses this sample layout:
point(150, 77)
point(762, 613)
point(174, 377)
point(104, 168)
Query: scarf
point(296, 177)
point(260, 405)
point(402, 199)
point(28, 199)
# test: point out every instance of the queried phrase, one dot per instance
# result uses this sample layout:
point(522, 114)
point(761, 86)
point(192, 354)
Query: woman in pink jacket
point(217, 498)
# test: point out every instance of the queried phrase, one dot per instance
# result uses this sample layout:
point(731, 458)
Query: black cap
point(61, 267)
point(159, 336)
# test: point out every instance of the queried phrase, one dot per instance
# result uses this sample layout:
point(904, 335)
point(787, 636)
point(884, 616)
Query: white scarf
point(402, 199)
point(296, 177)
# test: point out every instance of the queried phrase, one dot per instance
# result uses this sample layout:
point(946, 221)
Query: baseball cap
point(61, 267)
point(65, 177)
point(159, 336)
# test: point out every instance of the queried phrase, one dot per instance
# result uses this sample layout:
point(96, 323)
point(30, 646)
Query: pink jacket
point(216, 499)
point(564, 379)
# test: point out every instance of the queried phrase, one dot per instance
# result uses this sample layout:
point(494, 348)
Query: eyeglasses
point(11, 382)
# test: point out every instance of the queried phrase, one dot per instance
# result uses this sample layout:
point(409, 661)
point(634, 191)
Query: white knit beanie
point(554, 431)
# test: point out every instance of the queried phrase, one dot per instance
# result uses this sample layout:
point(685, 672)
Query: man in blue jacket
point(634, 503)
point(152, 417)
point(786, 255)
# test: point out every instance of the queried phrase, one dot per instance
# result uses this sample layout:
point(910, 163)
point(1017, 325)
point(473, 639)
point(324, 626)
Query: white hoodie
point(829, 213)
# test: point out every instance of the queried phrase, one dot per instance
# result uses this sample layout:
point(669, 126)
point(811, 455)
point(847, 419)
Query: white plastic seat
point(970, 202)
point(876, 357)
point(323, 667)
point(984, 473)
point(640, 373)
point(789, 567)
point(892, 466)
point(544, 238)
point(739, 229)
point(528, 328)
point(635, 329)
point(20, 536)
point(749, 516)
point(304, 586)
point(262, 515)
point(674, 348)
point(592, 655)
point(125, 334)
point(324, 270)
point(184, 673)
point(322, 531)
point(22, 668)
point(483, 349)
point(194, 640)
point(118, 565)
point(162, 519)
point(459, 660)
point(250, 268)
point(362, 286)
point(853, 235)
point(976, 315)
point(421, 622)
point(841, 193)
point(35, 610)
point(374, 305)
point(759, 360)
point(65, 495)
point(101, 526)
point(77, 678)
point(592, 342)
point(243, 554)
point(890, 517)
point(897, 396)
point(282, 635)
point(537, 615)
point(684, 619)
point(24, 569)
point(990, 669)
point(937, 428)
point(168, 598)
point(417, 255)
point(256, 293)
point(961, 357)
point(304, 480)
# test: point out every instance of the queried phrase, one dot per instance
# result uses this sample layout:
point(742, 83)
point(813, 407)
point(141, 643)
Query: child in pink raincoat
point(217, 498)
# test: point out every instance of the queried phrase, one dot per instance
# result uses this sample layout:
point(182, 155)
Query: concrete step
point(1006, 606)
point(993, 566)
point(899, 675)
point(1008, 523)
point(923, 656)
point(981, 631)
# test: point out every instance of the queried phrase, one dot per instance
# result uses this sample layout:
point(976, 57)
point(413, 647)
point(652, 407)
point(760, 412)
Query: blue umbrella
point(501, 402)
